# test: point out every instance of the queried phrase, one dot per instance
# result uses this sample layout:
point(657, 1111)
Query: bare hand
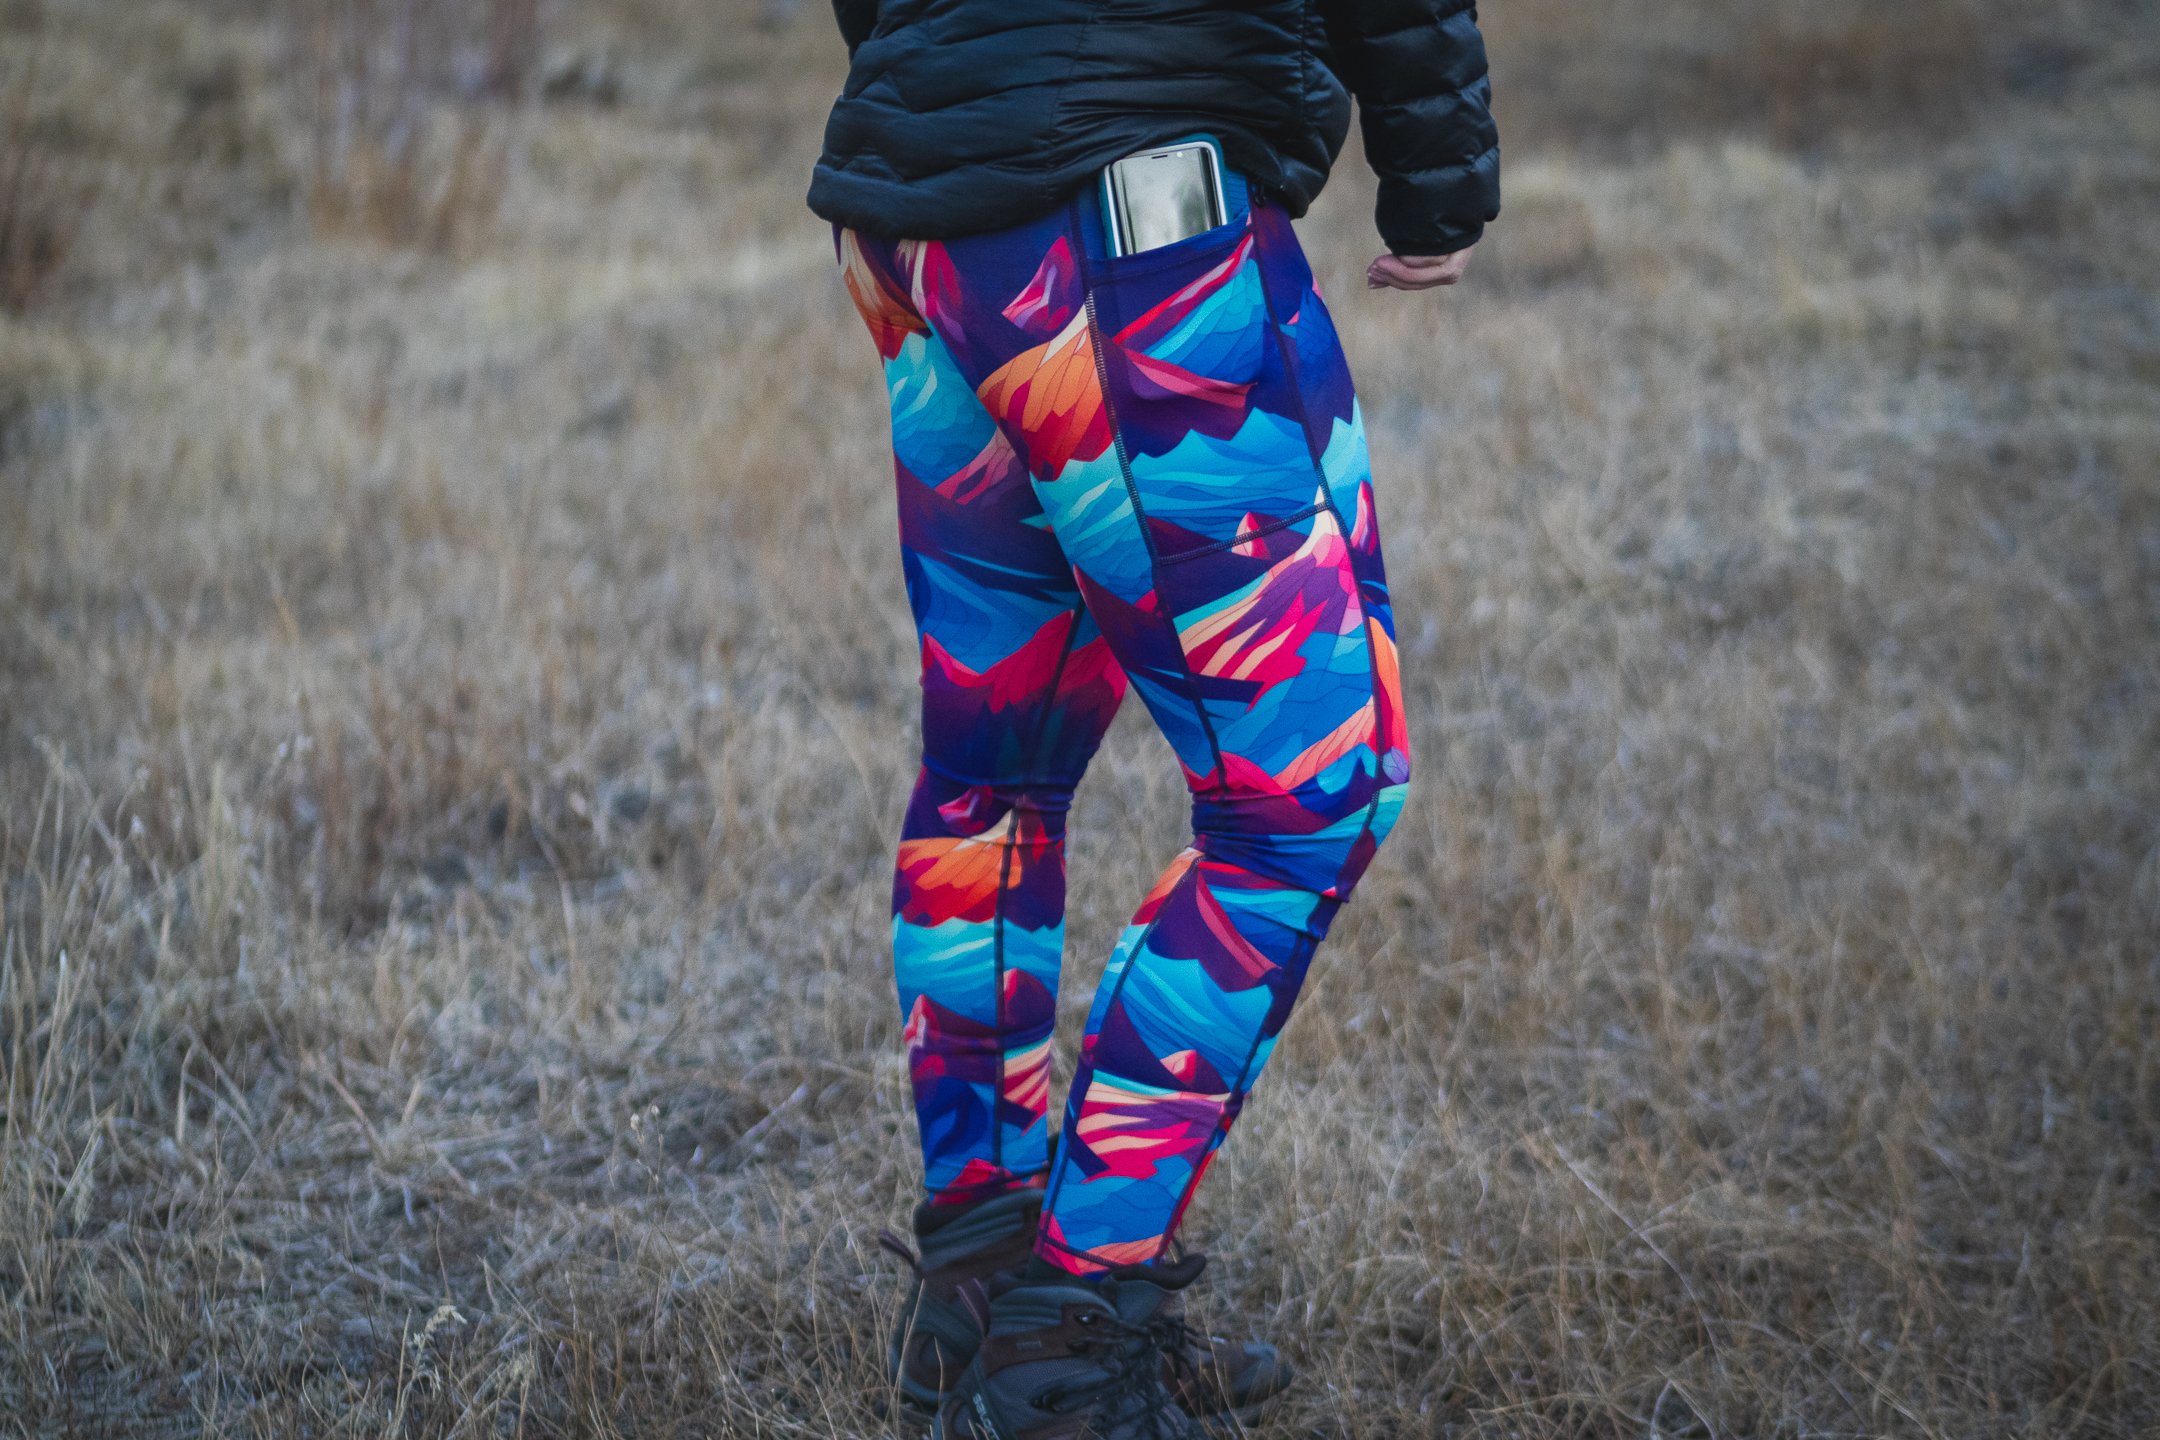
point(1417, 272)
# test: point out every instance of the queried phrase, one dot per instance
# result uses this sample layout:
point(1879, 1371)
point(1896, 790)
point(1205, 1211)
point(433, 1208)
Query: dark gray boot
point(1067, 1357)
point(942, 1321)
point(1212, 1378)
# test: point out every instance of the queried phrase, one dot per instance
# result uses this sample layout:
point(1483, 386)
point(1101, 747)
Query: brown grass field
point(456, 703)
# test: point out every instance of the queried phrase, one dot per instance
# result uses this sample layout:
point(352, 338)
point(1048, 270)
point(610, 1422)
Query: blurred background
point(456, 705)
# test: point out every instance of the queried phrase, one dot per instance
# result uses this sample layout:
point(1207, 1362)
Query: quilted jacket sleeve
point(857, 19)
point(1417, 68)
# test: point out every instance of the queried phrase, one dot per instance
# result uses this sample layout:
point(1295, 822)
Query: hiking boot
point(1067, 1357)
point(941, 1324)
point(1212, 1378)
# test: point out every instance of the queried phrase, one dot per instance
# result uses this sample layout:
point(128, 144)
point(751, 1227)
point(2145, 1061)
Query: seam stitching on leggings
point(1370, 811)
point(1238, 1089)
point(1296, 368)
point(997, 919)
point(1028, 777)
point(997, 993)
point(1243, 536)
point(1072, 1096)
point(1132, 493)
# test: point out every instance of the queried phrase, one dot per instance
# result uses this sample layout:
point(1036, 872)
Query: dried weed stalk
point(45, 193)
point(399, 149)
point(1614, 73)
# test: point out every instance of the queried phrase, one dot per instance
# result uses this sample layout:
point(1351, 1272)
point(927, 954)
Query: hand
point(1417, 272)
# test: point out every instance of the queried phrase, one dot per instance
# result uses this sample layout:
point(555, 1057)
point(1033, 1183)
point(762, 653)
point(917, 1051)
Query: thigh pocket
point(1208, 419)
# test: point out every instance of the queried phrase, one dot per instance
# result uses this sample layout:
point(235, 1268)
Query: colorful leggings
point(1150, 468)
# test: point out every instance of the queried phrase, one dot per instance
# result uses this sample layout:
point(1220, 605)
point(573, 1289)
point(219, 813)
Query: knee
point(1291, 841)
point(943, 807)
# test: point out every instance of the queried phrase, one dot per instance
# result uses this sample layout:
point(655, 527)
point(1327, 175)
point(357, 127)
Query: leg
point(1189, 427)
point(1008, 312)
point(1018, 688)
point(1259, 633)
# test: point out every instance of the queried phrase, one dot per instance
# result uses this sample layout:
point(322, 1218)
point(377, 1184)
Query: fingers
point(1397, 279)
point(1416, 272)
point(1401, 272)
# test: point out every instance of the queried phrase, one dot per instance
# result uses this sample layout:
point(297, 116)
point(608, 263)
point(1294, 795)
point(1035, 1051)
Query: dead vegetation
point(1610, 76)
point(403, 147)
point(45, 189)
point(455, 703)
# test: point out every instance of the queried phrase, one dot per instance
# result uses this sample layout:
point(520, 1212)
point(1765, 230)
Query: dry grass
point(45, 188)
point(1621, 76)
point(453, 718)
point(389, 159)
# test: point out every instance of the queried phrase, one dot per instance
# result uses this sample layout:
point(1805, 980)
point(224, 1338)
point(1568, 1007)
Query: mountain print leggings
point(1148, 470)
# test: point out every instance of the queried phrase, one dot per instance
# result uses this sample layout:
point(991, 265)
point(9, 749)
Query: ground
point(456, 707)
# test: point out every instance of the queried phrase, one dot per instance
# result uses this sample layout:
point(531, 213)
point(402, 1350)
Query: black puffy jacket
point(966, 116)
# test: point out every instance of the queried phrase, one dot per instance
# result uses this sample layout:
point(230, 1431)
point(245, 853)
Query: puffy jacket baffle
point(966, 116)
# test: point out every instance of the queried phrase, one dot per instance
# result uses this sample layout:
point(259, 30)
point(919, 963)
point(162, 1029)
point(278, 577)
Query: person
point(1143, 471)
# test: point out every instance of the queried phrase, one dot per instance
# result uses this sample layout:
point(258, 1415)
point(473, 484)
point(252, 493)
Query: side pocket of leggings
point(1205, 406)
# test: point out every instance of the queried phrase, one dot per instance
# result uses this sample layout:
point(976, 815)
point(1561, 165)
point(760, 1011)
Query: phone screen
point(1160, 197)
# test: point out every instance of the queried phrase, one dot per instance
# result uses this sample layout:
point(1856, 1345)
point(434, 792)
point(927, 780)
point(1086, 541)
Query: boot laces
point(1132, 1354)
point(894, 1245)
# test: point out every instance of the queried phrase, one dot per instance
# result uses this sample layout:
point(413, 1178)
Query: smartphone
point(1161, 196)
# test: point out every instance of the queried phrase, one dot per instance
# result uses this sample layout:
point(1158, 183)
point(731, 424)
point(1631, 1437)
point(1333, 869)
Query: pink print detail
point(1027, 1074)
point(1185, 1064)
point(1159, 379)
point(1130, 1130)
point(1014, 680)
point(1050, 299)
point(1059, 1251)
point(992, 467)
point(1257, 637)
point(1364, 533)
point(936, 287)
point(1162, 318)
point(1239, 960)
point(1353, 734)
point(973, 810)
point(969, 1185)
